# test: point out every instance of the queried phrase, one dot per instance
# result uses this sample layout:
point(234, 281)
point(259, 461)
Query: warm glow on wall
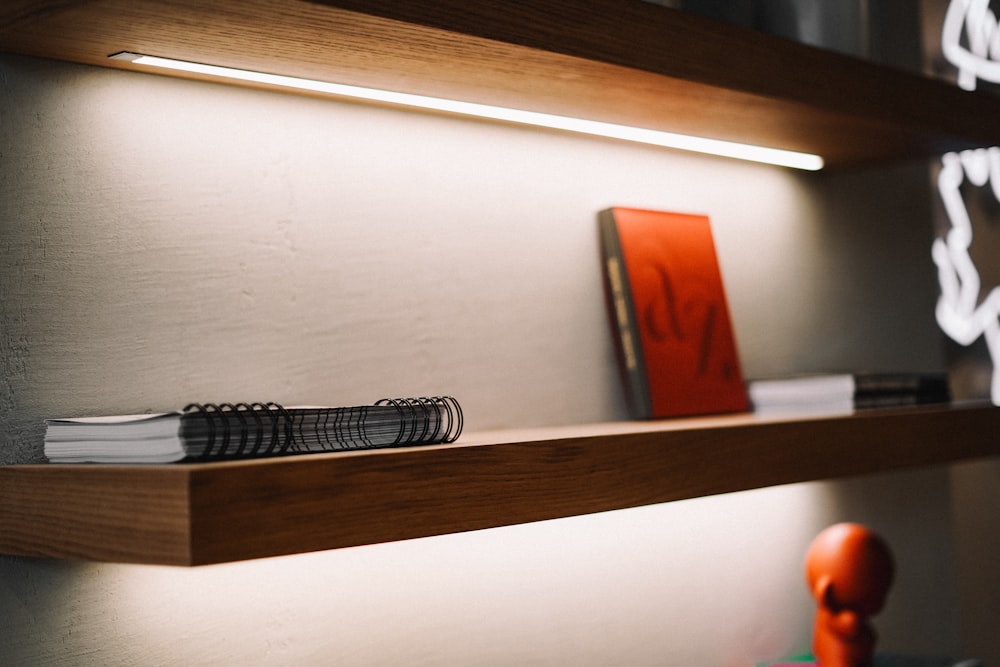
point(729, 149)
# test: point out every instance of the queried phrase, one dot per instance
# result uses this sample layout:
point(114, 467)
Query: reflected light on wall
point(573, 588)
point(773, 156)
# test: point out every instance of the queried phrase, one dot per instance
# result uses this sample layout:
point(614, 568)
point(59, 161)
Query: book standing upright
point(669, 314)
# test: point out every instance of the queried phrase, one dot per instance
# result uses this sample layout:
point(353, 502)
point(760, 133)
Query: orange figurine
point(849, 570)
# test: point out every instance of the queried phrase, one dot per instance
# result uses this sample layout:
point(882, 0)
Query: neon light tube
point(773, 156)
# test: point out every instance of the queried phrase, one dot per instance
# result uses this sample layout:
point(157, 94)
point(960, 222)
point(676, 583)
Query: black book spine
point(621, 314)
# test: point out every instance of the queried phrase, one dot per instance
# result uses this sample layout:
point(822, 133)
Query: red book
point(669, 314)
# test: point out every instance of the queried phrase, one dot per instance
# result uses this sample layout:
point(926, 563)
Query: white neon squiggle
point(959, 313)
point(982, 28)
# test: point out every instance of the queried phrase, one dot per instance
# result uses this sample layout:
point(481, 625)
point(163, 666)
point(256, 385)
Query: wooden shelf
point(191, 514)
point(623, 61)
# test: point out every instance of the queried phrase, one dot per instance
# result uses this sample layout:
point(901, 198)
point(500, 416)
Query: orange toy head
point(851, 567)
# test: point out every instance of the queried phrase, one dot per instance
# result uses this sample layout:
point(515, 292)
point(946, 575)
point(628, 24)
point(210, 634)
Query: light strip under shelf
point(774, 156)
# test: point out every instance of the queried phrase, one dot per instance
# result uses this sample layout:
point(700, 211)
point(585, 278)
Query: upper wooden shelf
point(624, 61)
point(191, 514)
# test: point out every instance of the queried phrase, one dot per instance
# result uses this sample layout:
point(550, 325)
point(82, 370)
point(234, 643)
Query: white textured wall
point(164, 241)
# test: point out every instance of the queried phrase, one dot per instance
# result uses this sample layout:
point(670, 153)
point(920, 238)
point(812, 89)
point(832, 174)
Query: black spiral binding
point(243, 430)
point(439, 419)
point(219, 417)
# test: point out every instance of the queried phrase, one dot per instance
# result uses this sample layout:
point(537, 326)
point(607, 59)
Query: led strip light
point(684, 142)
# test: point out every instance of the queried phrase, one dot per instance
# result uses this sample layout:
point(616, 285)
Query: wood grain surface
point(190, 514)
point(622, 61)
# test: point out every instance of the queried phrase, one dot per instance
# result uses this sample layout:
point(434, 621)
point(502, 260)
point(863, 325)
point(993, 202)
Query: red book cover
point(669, 314)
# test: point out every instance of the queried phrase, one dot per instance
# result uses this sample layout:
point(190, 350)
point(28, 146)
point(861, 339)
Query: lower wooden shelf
point(192, 514)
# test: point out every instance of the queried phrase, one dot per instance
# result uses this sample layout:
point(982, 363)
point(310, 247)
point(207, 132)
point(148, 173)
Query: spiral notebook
point(219, 431)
